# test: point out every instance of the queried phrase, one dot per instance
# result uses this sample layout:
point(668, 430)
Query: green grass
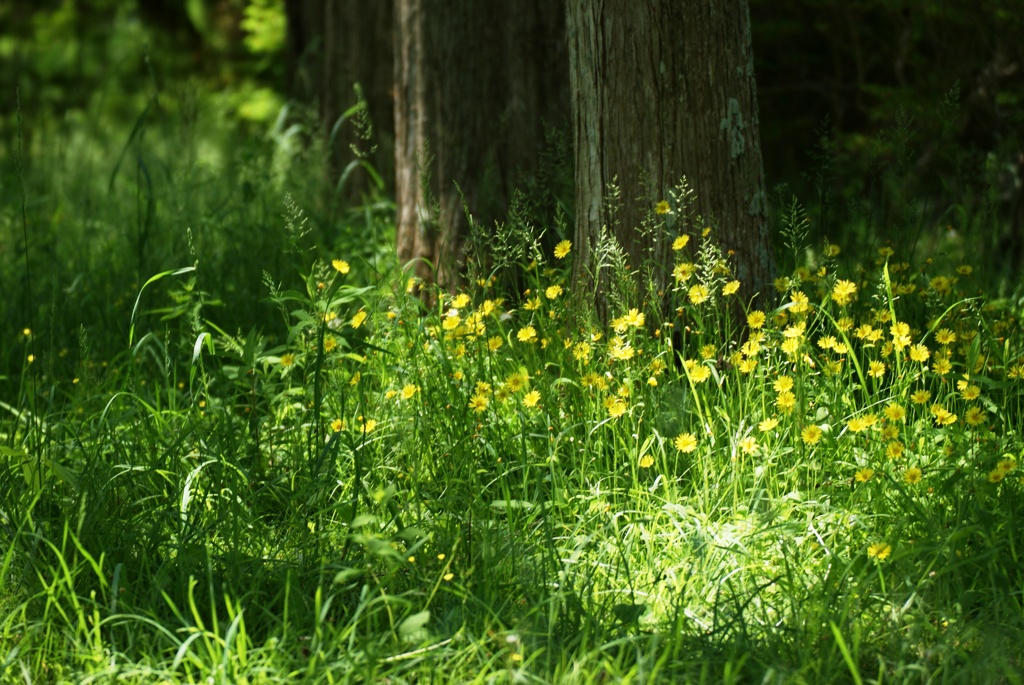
point(325, 481)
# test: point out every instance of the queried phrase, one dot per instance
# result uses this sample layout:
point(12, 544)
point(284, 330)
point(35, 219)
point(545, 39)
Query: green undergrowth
point(500, 488)
point(227, 456)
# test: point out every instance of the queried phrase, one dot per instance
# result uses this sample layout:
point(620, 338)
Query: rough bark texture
point(332, 45)
point(662, 90)
point(474, 82)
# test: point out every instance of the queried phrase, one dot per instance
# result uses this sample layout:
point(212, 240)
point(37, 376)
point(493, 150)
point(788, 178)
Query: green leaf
point(412, 628)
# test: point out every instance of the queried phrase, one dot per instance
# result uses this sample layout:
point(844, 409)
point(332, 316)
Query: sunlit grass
point(820, 486)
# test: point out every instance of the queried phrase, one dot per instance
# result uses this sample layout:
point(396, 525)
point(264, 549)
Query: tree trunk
point(333, 45)
point(662, 90)
point(474, 82)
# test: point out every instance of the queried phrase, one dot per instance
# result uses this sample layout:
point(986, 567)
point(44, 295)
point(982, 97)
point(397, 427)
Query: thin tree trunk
point(473, 84)
point(662, 90)
point(333, 45)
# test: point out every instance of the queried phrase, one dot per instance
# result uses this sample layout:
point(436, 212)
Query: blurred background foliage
point(891, 120)
point(897, 104)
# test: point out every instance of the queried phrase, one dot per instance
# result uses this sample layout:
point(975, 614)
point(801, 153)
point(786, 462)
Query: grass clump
point(500, 487)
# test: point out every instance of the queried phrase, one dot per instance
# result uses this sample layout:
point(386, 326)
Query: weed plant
point(498, 488)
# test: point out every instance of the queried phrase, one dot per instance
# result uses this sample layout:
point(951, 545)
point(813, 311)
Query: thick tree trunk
point(662, 90)
point(474, 82)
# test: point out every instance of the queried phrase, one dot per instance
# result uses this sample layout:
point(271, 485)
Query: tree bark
point(474, 82)
point(333, 45)
point(662, 90)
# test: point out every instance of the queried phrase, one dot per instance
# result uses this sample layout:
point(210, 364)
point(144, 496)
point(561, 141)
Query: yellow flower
point(800, 302)
point(620, 350)
point(919, 353)
point(683, 271)
point(340, 265)
point(527, 334)
point(827, 342)
point(616, 407)
point(750, 348)
point(532, 304)
point(864, 331)
point(756, 319)
point(942, 366)
point(810, 434)
point(408, 391)
point(831, 250)
point(730, 288)
point(968, 391)
point(494, 343)
point(894, 412)
point(864, 474)
point(945, 337)
point(358, 319)
point(785, 401)
point(768, 425)
point(879, 551)
point(975, 416)
point(861, 423)
point(748, 444)
point(920, 396)
point(368, 425)
point(943, 417)
point(680, 242)
point(912, 475)
point(843, 292)
point(698, 372)
point(698, 294)
point(562, 249)
point(451, 320)
point(337, 425)
point(747, 365)
point(662, 207)
point(783, 383)
point(685, 442)
point(1007, 464)
point(517, 381)
point(795, 331)
point(876, 369)
point(553, 292)
point(531, 399)
point(634, 318)
point(478, 402)
point(356, 377)
point(287, 359)
point(646, 461)
point(900, 334)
